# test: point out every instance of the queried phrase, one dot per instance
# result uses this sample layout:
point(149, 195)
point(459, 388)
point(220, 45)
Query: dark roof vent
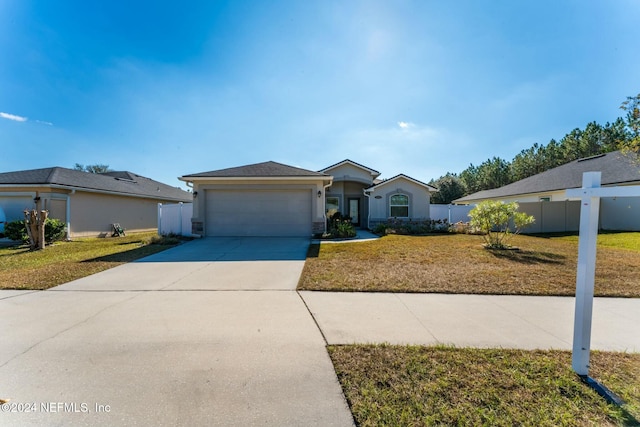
point(591, 158)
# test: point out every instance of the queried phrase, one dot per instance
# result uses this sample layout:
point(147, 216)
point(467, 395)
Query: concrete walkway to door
point(208, 333)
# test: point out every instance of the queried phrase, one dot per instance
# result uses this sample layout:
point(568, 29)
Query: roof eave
point(408, 178)
point(188, 178)
point(91, 190)
point(374, 173)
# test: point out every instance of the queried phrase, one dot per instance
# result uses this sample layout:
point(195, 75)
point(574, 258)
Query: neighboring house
point(616, 214)
point(88, 203)
point(273, 199)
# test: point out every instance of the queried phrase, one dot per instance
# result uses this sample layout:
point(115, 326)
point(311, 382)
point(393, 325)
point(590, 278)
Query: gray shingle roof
point(351, 161)
point(616, 168)
point(265, 169)
point(401, 175)
point(126, 183)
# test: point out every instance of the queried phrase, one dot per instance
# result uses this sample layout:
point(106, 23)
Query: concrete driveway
point(221, 263)
point(207, 333)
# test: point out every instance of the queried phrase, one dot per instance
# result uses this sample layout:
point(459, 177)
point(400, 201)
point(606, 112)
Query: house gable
point(348, 170)
point(382, 204)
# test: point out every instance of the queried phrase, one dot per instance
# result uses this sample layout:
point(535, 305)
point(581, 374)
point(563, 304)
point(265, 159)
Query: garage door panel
point(258, 213)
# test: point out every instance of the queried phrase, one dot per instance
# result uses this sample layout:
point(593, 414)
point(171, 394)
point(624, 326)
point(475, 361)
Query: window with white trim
point(399, 206)
point(332, 206)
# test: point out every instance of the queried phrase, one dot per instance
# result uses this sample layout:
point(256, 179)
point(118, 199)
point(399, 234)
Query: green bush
point(54, 230)
point(344, 228)
point(340, 226)
point(380, 229)
point(412, 227)
point(15, 230)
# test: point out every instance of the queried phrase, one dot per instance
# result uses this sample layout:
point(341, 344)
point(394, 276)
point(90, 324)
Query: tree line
point(594, 139)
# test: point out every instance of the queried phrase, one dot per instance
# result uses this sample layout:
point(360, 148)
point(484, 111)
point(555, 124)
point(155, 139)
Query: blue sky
point(165, 89)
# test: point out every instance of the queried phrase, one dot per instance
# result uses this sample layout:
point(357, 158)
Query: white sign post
point(590, 195)
point(585, 277)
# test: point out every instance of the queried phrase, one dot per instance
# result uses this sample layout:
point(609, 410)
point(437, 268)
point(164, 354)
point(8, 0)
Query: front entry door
point(354, 211)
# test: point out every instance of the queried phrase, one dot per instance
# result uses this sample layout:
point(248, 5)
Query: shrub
point(16, 230)
point(340, 226)
point(165, 239)
point(494, 220)
point(344, 228)
point(397, 226)
point(54, 230)
point(380, 228)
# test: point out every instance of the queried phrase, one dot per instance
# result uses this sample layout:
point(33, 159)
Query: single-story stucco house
point(88, 203)
point(274, 199)
point(617, 168)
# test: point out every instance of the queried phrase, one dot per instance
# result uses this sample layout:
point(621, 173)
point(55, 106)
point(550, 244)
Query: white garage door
point(258, 213)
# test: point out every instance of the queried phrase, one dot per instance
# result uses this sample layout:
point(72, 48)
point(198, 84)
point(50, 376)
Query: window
point(332, 206)
point(399, 204)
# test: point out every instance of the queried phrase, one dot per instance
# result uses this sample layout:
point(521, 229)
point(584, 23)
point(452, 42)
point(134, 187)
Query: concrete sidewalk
point(524, 322)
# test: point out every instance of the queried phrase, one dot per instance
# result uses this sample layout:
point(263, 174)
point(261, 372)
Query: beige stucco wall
point(418, 199)
point(348, 172)
point(92, 213)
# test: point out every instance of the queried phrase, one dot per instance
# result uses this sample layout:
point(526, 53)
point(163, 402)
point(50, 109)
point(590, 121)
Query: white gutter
point(89, 190)
point(31, 194)
point(368, 196)
point(324, 204)
point(69, 214)
point(251, 178)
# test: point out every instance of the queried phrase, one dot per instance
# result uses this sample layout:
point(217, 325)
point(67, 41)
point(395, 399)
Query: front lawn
point(424, 386)
point(457, 263)
point(66, 261)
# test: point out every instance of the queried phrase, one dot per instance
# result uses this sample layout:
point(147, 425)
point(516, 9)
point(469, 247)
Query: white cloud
point(422, 152)
point(12, 117)
point(44, 123)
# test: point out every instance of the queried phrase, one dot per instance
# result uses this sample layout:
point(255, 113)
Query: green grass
point(423, 386)
point(458, 263)
point(62, 262)
point(629, 241)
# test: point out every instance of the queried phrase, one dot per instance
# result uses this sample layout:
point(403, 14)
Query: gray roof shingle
point(265, 169)
point(126, 183)
point(616, 168)
point(401, 175)
point(355, 163)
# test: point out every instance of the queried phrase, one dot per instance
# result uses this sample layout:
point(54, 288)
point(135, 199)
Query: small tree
point(494, 218)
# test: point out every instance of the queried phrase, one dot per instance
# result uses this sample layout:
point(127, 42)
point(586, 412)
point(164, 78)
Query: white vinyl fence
point(452, 213)
point(175, 218)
